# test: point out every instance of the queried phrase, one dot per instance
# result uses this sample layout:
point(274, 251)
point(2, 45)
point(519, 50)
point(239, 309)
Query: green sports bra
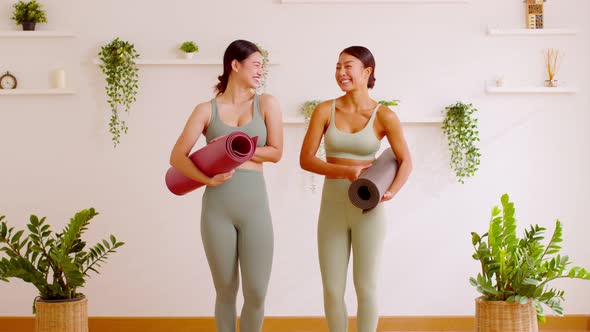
point(256, 127)
point(362, 145)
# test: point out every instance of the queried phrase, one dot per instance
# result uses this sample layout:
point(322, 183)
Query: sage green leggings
point(236, 228)
point(342, 226)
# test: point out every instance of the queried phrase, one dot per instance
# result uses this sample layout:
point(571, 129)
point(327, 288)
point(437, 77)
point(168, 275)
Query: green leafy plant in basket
point(57, 264)
point(461, 129)
point(28, 14)
point(519, 269)
point(118, 65)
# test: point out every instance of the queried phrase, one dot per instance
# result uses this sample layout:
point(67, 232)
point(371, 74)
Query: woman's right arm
point(190, 134)
point(307, 158)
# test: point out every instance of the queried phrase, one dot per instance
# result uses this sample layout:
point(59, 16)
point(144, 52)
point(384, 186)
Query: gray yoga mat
point(366, 191)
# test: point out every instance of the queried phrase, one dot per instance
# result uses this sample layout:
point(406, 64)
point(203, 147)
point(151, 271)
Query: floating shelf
point(177, 62)
point(36, 34)
point(490, 88)
point(30, 92)
point(411, 2)
point(403, 119)
point(530, 32)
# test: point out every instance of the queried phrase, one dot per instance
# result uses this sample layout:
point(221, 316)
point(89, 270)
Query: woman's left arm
point(394, 133)
point(273, 151)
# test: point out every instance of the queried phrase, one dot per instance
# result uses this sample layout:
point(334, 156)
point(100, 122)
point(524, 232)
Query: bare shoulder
point(202, 112)
point(387, 117)
point(269, 102)
point(324, 109)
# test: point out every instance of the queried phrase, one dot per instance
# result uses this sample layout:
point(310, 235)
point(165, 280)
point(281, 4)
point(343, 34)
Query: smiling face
point(249, 70)
point(351, 74)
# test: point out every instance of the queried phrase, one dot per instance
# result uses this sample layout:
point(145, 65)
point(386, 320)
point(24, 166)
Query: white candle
point(59, 79)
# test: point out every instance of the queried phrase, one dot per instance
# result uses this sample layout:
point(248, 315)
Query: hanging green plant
point(461, 129)
point(265, 64)
point(118, 65)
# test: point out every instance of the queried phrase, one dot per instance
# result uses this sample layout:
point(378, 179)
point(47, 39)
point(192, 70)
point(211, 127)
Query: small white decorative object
point(189, 55)
point(59, 79)
point(500, 81)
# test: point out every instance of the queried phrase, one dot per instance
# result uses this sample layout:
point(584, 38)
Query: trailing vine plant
point(462, 133)
point(118, 64)
point(265, 64)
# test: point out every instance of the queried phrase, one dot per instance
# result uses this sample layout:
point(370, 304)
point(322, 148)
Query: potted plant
point(515, 273)
point(57, 264)
point(461, 129)
point(189, 48)
point(118, 65)
point(28, 14)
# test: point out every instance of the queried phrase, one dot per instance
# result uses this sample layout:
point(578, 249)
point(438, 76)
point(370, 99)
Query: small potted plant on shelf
point(57, 264)
point(28, 14)
point(515, 273)
point(189, 48)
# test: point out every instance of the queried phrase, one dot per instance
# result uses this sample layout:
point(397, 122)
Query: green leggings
point(236, 228)
point(342, 226)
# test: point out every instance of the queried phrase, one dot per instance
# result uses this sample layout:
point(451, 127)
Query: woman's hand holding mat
point(371, 187)
point(221, 155)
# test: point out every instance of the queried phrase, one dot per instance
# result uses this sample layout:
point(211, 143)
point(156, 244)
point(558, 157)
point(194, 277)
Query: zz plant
point(462, 133)
point(118, 65)
point(519, 269)
point(57, 264)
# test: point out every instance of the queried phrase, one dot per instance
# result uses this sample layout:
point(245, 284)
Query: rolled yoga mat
point(221, 155)
point(366, 191)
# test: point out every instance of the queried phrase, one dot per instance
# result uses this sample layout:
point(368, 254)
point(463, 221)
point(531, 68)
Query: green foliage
point(55, 263)
point(265, 64)
point(518, 269)
point(118, 65)
point(461, 129)
point(393, 102)
point(28, 12)
point(308, 108)
point(189, 47)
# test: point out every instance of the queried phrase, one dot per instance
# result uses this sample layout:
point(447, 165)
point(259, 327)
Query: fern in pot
point(516, 272)
point(57, 264)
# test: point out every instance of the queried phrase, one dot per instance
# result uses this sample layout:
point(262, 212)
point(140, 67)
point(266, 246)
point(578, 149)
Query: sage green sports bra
point(256, 127)
point(362, 145)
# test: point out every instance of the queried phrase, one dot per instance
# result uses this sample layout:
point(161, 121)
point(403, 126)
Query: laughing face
point(249, 71)
point(351, 74)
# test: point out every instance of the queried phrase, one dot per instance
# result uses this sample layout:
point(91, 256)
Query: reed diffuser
point(552, 62)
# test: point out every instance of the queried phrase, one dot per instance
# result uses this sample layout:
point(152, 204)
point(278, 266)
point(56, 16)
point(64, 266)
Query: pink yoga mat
point(366, 191)
point(221, 155)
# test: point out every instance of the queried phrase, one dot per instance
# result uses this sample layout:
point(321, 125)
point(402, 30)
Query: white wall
point(57, 156)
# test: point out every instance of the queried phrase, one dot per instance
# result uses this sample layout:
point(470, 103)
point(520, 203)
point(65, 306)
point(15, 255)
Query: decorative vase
point(189, 55)
point(551, 83)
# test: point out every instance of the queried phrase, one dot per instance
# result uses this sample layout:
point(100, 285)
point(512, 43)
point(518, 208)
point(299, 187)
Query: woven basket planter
point(501, 316)
point(62, 315)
